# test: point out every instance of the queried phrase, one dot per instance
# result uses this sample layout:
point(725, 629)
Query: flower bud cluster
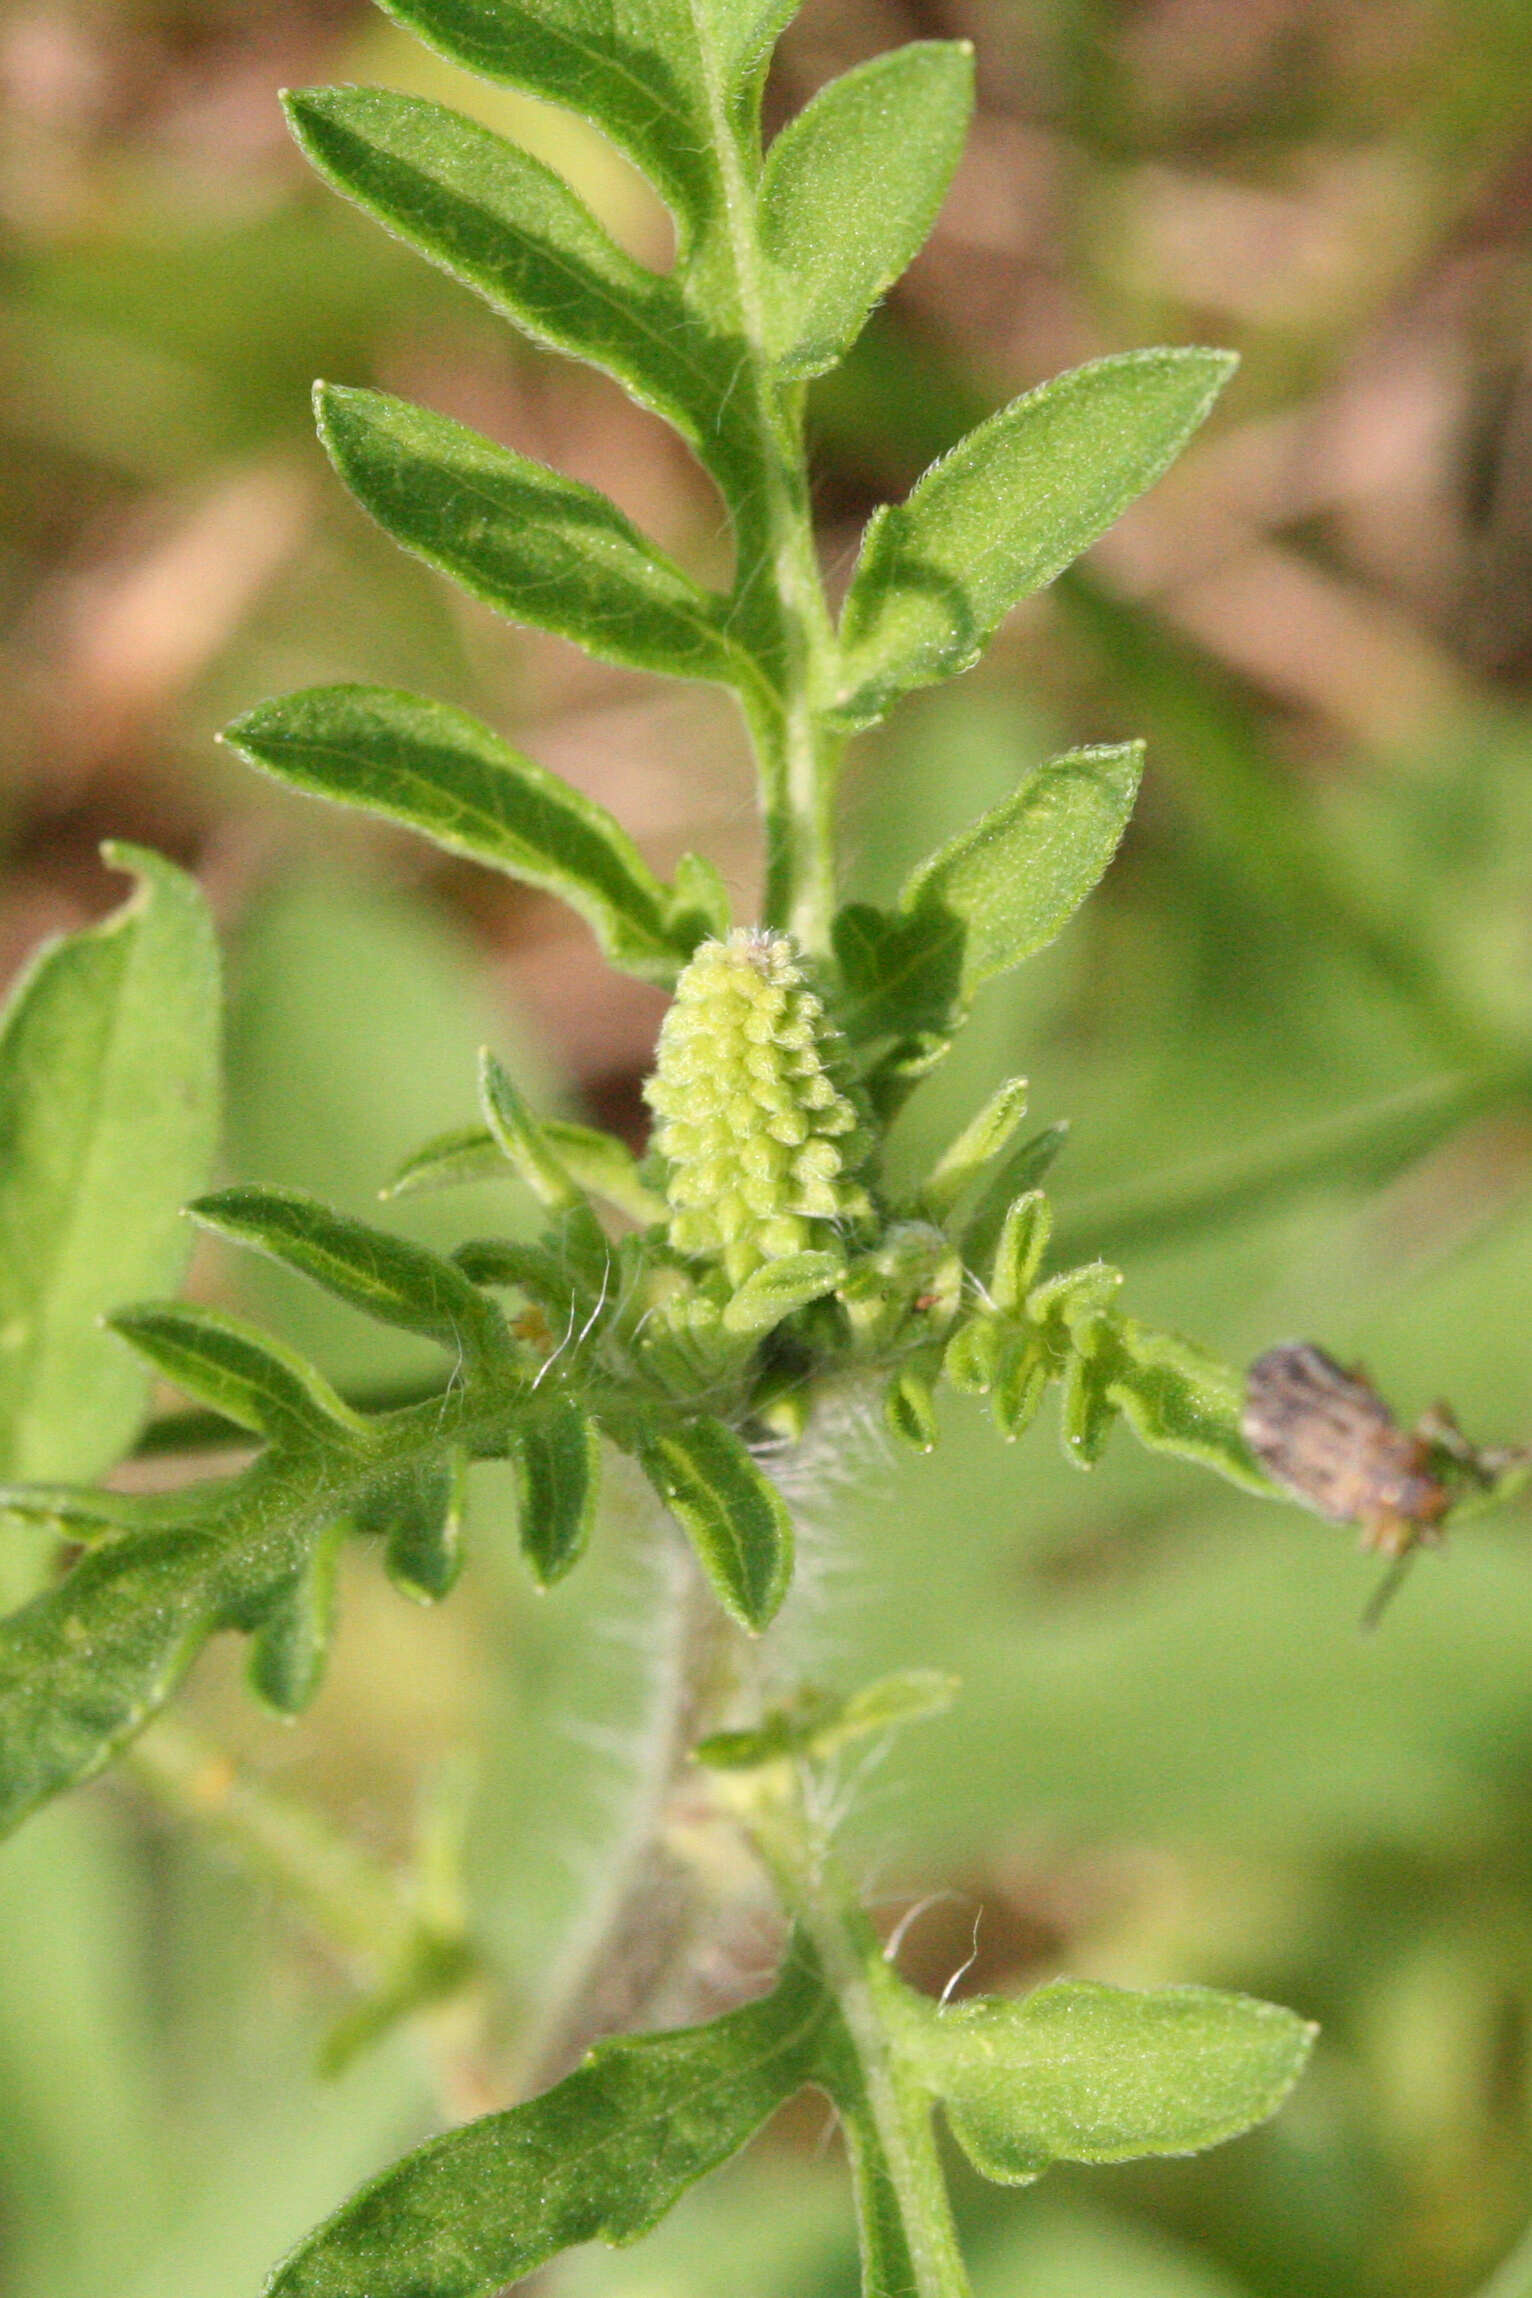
point(762, 1143)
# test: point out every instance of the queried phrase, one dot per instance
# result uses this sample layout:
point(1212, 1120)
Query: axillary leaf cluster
point(693, 1308)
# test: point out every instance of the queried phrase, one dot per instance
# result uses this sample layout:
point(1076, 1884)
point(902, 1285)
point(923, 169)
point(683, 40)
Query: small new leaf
point(557, 1457)
point(600, 2157)
point(777, 1288)
point(534, 545)
point(737, 1521)
point(1177, 1398)
point(522, 1139)
point(982, 1139)
point(1006, 887)
point(850, 190)
point(1007, 511)
point(438, 771)
point(385, 1277)
point(1078, 2072)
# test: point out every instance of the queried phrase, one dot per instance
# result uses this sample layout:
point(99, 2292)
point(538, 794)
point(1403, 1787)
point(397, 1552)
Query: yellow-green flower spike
point(764, 1147)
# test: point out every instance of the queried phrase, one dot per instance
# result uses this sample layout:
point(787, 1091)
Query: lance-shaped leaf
point(1007, 510)
point(981, 1140)
point(1078, 2072)
point(737, 1521)
point(290, 1648)
point(1177, 1398)
point(498, 220)
point(529, 542)
point(598, 1162)
point(556, 1454)
point(385, 1277)
point(1088, 1407)
point(246, 1375)
point(652, 75)
point(1006, 886)
point(437, 770)
point(1018, 1255)
point(88, 1513)
point(108, 1109)
point(419, 1513)
point(1022, 1171)
point(521, 1138)
point(850, 190)
point(600, 2157)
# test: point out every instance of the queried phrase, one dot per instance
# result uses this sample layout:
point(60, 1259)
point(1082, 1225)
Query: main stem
point(778, 590)
point(909, 2241)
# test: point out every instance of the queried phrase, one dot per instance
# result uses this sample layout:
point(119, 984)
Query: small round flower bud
point(763, 1143)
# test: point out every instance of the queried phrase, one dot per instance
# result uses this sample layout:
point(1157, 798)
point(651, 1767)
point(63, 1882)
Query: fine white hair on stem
point(963, 1968)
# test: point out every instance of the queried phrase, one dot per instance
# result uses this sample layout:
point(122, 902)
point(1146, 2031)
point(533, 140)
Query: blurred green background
point(1175, 1757)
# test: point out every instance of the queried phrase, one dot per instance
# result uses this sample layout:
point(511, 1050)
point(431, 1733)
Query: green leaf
point(850, 190)
point(509, 228)
point(244, 1374)
point(1004, 888)
point(1078, 2072)
point(1020, 1384)
point(1018, 1255)
point(974, 1355)
point(1177, 1398)
point(900, 973)
point(421, 1517)
point(777, 1288)
point(1022, 1171)
point(909, 1695)
point(383, 1276)
point(439, 771)
point(108, 1110)
point(1088, 1407)
point(521, 1138)
point(87, 1513)
point(556, 1453)
point(909, 1411)
point(1007, 511)
point(737, 1521)
point(663, 78)
point(981, 1140)
point(598, 1162)
point(536, 546)
point(600, 2157)
point(290, 1648)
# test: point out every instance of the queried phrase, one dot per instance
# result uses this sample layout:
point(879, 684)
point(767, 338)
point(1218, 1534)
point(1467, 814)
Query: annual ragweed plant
point(718, 1309)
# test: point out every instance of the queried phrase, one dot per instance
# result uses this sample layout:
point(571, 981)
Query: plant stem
point(639, 1927)
point(778, 587)
point(360, 1911)
point(909, 2241)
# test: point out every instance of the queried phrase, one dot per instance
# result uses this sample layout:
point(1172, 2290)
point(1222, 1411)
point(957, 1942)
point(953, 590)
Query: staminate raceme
point(765, 1143)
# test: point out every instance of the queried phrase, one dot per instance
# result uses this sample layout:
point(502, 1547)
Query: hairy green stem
point(909, 2241)
point(640, 1924)
point(779, 584)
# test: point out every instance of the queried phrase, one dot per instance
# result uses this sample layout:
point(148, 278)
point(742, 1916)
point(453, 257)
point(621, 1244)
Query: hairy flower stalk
point(765, 1146)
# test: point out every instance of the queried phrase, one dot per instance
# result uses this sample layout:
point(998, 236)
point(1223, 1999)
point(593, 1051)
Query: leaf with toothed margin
point(602, 2156)
point(536, 546)
point(556, 1454)
point(436, 770)
point(385, 1277)
point(244, 1374)
point(735, 1519)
